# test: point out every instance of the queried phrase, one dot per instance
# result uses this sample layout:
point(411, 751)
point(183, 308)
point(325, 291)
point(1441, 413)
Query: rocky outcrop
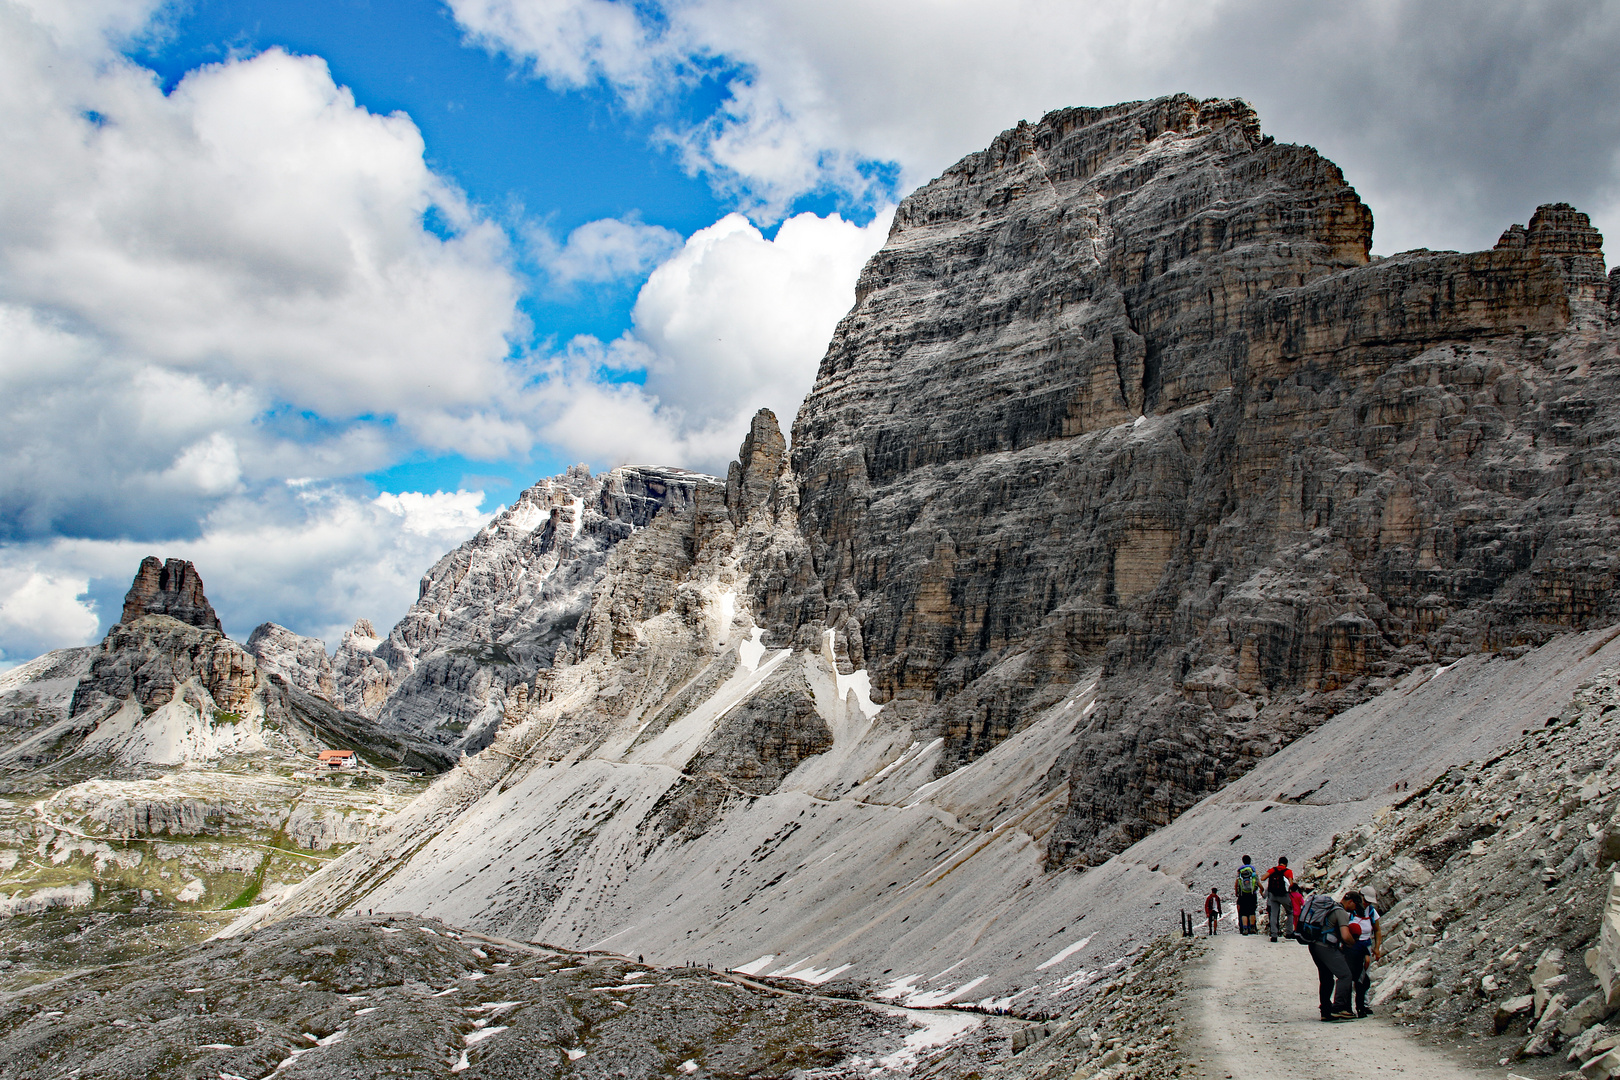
point(300, 660)
point(1126, 393)
point(362, 677)
point(750, 751)
point(512, 1011)
point(1494, 883)
point(151, 658)
point(159, 690)
point(171, 588)
point(499, 611)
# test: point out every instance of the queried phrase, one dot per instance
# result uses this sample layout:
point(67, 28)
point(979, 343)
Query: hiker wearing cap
point(1212, 909)
point(1279, 908)
point(1368, 940)
point(1247, 888)
point(1324, 925)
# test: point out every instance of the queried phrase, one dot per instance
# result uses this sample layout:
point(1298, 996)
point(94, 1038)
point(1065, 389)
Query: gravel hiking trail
point(1251, 1012)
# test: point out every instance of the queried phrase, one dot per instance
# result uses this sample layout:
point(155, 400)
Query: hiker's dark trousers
point(1333, 974)
point(1214, 918)
point(1359, 977)
point(1280, 911)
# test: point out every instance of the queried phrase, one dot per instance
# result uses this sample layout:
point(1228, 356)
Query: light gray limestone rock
point(498, 611)
point(300, 660)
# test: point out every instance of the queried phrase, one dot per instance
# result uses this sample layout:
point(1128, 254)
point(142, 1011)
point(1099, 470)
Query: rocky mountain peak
point(302, 661)
point(1562, 233)
point(172, 588)
point(752, 481)
point(1125, 394)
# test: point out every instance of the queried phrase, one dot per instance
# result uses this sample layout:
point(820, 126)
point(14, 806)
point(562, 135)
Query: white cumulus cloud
point(730, 323)
point(41, 607)
point(735, 319)
point(611, 249)
point(247, 277)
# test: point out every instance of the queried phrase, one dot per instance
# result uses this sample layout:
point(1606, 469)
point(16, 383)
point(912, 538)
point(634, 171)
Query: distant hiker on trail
point(1279, 908)
point(1247, 888)
point(1324, 925)
point(1296, 896)
point(1368, 941)
point(1212, 909)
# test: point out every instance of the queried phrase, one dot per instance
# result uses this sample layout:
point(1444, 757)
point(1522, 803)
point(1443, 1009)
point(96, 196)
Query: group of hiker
point(1343, 935)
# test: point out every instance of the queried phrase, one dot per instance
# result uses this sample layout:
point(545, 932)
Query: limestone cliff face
point(300, 660)
point(495, 614)
point(1125, 392)
point(172, 588)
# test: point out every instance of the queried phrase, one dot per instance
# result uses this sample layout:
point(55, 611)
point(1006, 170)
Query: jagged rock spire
point(172, 588)
point(751, 481)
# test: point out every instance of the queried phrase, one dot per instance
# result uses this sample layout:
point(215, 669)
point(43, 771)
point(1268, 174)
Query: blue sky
point(304, 291)
point(517, 149)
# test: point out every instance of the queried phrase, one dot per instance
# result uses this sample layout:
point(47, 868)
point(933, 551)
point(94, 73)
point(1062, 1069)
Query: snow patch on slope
point(857, 682)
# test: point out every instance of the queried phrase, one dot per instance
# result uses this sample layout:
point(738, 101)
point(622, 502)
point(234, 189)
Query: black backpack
point(1277, 882)
point(1312, 927)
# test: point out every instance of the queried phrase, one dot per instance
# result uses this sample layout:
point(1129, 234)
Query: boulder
point(1603, 959)
point(1603, 1066)
point(1580, 1017)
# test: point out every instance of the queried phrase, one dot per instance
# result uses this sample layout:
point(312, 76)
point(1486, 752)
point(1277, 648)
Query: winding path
point(1251, 1012)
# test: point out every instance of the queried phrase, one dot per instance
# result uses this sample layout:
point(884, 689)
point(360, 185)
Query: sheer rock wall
point(172, 588)
point(1126, 389)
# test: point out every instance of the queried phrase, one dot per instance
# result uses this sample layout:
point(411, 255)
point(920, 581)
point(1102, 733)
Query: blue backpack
point(1312, 928)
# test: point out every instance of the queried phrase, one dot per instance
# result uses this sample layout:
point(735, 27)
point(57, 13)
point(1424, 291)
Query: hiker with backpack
point(1279, 908)
point(1368, 939)
point(1212, 910)
point(1324, 926)
point(1247, 888)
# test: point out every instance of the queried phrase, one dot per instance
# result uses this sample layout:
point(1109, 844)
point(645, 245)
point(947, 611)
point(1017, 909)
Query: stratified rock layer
point(172, 588)
point(495, 613)
point(1126, 390)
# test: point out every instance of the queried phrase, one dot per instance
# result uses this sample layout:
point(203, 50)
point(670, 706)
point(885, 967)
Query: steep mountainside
point(1127, 391)
point(501, 609)
point(1129, 467)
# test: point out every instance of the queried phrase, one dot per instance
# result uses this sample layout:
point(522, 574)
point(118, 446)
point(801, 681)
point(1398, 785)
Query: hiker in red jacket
point(1279, 908)
point(1212, 909)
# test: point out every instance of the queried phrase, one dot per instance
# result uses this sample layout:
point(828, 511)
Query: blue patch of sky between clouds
point(500, 481)
point(512, 144)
